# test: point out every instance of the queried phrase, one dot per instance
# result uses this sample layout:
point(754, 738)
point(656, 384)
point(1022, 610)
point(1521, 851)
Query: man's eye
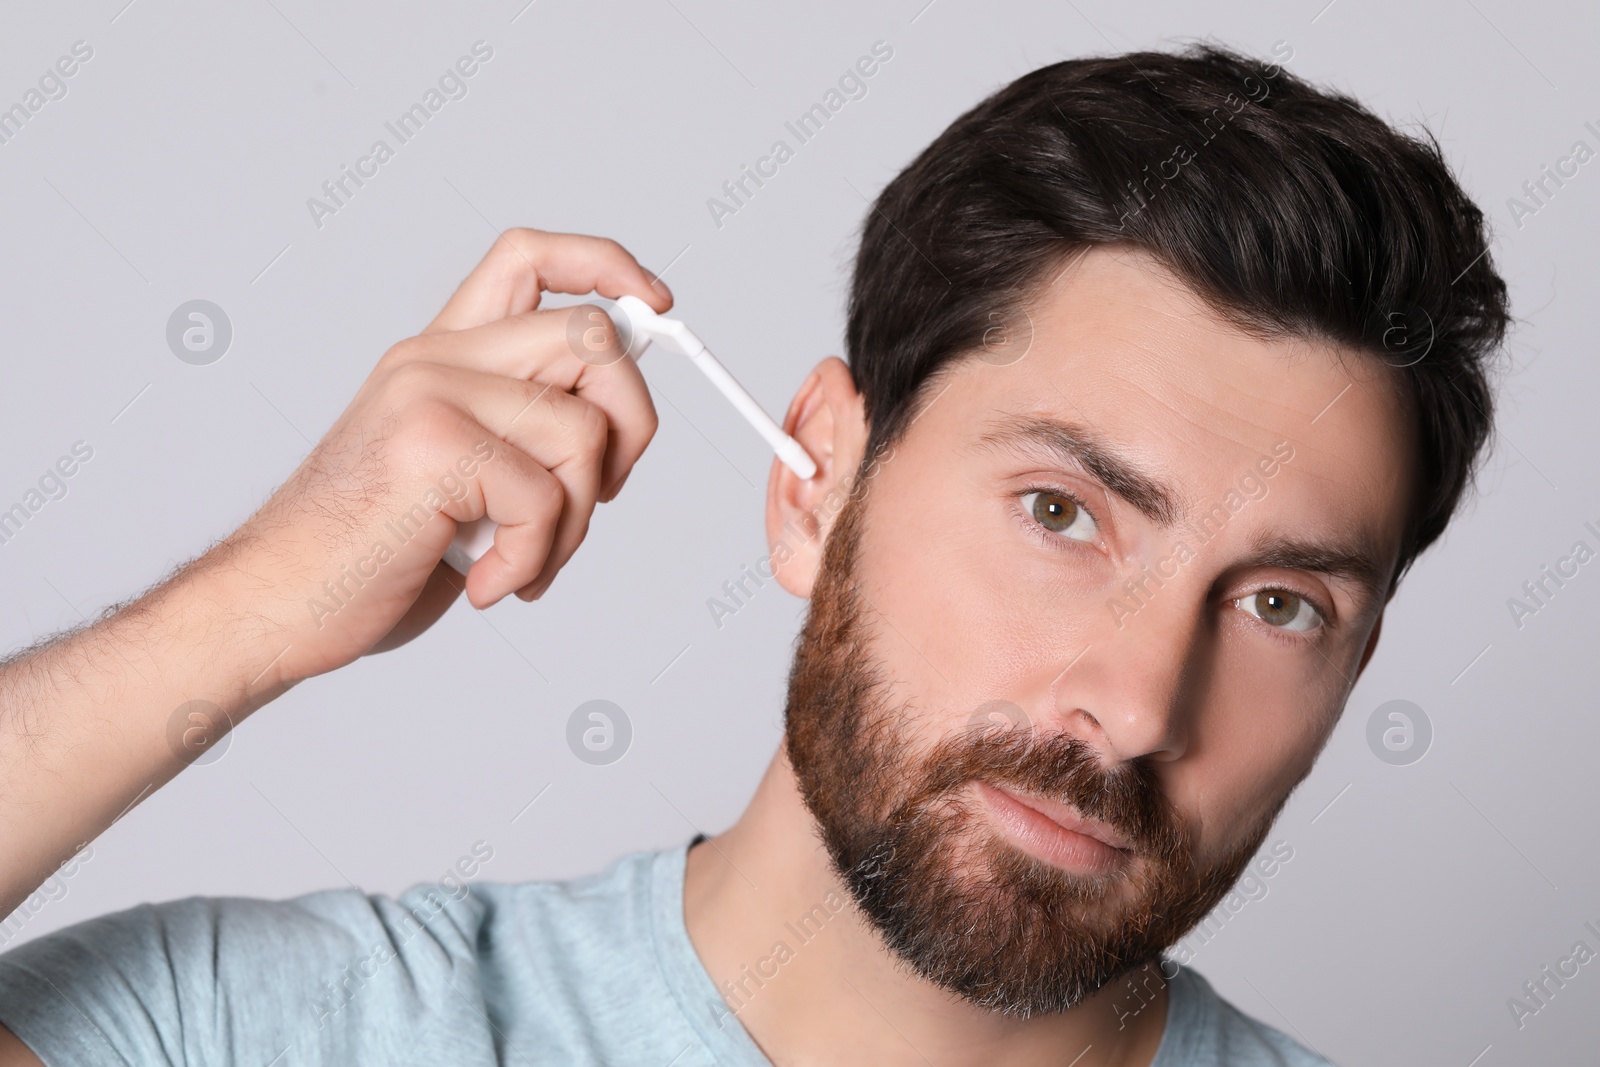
point(1060, 514)
point(1281, 608)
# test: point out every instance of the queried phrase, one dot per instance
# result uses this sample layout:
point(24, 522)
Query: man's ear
point(828, 418)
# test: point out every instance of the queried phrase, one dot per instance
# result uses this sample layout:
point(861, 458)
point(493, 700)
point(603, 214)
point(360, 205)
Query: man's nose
point(1130, 689)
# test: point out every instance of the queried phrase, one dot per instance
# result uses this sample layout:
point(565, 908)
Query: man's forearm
point(90, 721)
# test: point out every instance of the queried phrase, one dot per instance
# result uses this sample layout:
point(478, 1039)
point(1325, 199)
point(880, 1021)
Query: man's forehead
point(1120, 316)
point(1117, 343)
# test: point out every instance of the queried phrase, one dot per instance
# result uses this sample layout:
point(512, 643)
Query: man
point(1163, 369)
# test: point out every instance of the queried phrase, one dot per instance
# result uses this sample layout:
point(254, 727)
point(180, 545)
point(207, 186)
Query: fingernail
point(660, 286)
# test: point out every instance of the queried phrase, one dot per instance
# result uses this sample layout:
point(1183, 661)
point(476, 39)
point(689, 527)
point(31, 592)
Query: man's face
point(1091, 622)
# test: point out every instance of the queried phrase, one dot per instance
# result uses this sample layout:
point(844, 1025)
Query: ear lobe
point(827, 416)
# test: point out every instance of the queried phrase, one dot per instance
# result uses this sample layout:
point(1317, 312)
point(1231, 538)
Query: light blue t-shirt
point(599, 970)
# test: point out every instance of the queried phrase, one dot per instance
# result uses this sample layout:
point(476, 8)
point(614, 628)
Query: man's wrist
point(221, 610)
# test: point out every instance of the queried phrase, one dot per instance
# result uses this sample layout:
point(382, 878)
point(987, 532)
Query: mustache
point(1127, 797)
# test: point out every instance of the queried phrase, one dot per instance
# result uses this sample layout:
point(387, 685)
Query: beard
point(951, 899)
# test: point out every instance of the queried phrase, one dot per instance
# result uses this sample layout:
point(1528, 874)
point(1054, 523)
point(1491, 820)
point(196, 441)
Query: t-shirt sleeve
point(1204, 1030)
point(1243, 1040)
point(337, 977)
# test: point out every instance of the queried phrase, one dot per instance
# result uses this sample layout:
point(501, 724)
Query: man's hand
point(491, 410)
point(497, 408)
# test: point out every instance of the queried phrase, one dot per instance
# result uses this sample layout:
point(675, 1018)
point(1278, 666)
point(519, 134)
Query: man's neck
point(810, 980)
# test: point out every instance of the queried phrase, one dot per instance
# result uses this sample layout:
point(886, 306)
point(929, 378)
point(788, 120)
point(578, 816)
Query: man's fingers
point(555, 344)
point(535, 421)
point(575, 349)
point(528, 503)
point(563, 433)
point(523, 264)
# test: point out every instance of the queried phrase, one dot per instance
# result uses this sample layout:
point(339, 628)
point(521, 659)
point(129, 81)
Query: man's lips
point(1055, 832)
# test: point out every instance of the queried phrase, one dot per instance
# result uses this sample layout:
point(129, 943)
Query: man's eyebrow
point(1076, 445)
point(1354, 562)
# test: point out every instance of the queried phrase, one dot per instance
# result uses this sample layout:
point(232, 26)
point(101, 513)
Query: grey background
point(1419, 897)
